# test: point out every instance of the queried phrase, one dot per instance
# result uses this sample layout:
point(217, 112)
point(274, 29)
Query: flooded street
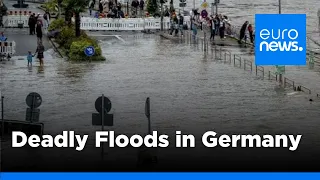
point(189, 91)
point(185, 88)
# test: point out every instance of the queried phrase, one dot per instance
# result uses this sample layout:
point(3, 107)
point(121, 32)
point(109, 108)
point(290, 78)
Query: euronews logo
point(280, 39)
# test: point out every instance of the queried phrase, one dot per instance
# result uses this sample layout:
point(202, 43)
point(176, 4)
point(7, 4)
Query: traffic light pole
point(216, 8)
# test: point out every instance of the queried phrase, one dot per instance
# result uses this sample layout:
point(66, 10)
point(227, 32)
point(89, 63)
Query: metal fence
point(226, 56)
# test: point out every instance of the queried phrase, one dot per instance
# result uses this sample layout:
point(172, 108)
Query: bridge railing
point(7, 48)
point(223, 55)
point(124, 24)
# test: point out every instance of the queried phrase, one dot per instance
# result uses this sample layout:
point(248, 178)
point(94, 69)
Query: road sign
point(216, 1)
point(182, 1)
point(205, 5)
point(182, 4)
point(280, 70)
point(147, 108)
point(32, 115)
point(89, 51)
point(97, 119)
point(311, 58)
point(107, 104)
point(204, 13)
point(33, 100)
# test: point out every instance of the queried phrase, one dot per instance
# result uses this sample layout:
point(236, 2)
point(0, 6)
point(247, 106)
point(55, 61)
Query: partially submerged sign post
point(311, 60)
point(34, 101)
point(147, 113)
point(147, 156)
point(103, 106)
point(30, 125)
point(89, 51)
point(280, 70)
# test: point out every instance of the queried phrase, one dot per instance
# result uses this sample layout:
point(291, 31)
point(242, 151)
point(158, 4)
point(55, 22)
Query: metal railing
point(226, 56)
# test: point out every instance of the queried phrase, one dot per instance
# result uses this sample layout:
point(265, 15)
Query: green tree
point(152, 6)
point(76, 7)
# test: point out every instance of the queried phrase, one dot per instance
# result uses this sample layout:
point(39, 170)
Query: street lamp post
point(194, 4)
point(319, 20)
point(280, 75)
point(161, 16)
point(216, 8)
point(279, 6)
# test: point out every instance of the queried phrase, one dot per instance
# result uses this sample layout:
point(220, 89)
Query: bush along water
point(74, 46)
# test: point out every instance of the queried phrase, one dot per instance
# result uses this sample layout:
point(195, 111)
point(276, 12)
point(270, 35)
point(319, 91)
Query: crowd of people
point(246, 27)
point(176, 24)
point(217, 25)
point(113, 9)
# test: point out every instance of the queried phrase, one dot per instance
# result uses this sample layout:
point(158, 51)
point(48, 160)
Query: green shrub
point(77, 48)
point(56, 24)
point(74, 46)
point(66, 37)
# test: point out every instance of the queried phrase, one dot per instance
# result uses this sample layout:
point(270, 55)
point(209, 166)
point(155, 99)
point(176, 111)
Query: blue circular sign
point(89, 51)
point(204, 13)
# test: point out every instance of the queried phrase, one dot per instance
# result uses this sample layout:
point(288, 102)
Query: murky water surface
point(189, 91)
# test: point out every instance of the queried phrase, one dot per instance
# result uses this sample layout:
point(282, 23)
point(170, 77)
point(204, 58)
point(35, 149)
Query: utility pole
point(212, 9)
point(319, 20)
point(216, 8)
point(161, 15)
point(280, 75)
point(279, 6)
point(194, 4)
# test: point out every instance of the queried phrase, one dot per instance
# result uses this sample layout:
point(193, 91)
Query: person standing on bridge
point(222, 28)
point(181, 20)
point(212, 28)
point(250, 29)
point(216, 24)
point(243, 31)
point(175, 23)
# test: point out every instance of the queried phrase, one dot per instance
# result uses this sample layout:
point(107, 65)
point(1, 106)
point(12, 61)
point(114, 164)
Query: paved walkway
point(24, 41)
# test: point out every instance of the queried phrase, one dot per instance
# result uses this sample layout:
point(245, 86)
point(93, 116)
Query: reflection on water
point(40, 69)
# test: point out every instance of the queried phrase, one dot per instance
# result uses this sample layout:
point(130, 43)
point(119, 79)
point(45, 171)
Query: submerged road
point(189, 91)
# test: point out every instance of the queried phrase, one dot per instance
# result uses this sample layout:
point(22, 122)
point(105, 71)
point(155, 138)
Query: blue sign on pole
point(204, 13)
point(89, 51)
